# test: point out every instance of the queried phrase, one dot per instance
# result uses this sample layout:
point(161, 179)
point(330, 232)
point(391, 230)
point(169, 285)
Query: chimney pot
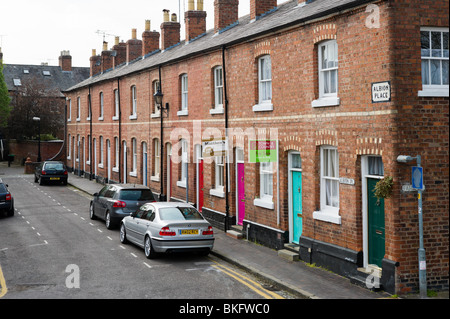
point(166, 15)
point(199, 5)
point(147, 25)
point(191, 5)
point(174, 17)
point(133, 34)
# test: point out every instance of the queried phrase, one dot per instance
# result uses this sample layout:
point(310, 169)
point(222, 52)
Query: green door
point(297, 211)
point(376, 225)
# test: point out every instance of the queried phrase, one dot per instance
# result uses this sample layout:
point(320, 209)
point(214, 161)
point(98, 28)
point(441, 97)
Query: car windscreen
point(54, 166)
point(179, 213)
point(136, 194)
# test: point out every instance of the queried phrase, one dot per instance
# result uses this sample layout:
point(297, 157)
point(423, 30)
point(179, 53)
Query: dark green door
point(376, 225)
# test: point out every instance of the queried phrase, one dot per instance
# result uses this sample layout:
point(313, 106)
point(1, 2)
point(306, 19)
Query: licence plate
point(54, 178)
point(188, 231)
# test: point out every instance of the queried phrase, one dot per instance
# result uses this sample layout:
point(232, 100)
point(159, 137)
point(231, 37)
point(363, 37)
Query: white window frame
point(434, 89)
point(133, 115)
point(117, 154)
point(100, 164)
point(157, 158)
point(328, 213)
point(134, 159)
point(264, 80)
point(100, 118)
point(69, 119)
point(265, 184)
point(218, 91)
point(116, 105)
point(184, 156)
point(219, 172)
point(156, 112)
point(69, 147)
point(78, 109)
point(327, 48)
point(184, 95)
point(88, 161)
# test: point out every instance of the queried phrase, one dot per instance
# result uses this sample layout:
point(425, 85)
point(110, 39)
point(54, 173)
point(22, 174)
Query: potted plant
point(383, 189)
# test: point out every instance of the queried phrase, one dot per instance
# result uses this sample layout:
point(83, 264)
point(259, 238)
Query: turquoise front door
point(376, 225)
point(296, 206)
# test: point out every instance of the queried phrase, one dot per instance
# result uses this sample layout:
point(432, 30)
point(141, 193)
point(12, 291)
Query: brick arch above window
point(326, 137)
point(326, 31)
point(369, 146)
point(262, 48)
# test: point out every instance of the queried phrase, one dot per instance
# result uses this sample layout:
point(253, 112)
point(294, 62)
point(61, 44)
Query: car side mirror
point(133, 214)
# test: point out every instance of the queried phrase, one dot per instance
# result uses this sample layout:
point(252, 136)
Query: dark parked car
point(6, 200)
point(51, 171)
point(116, 201)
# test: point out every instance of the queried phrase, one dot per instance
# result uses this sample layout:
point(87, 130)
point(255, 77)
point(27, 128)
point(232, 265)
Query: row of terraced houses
point(314, 101)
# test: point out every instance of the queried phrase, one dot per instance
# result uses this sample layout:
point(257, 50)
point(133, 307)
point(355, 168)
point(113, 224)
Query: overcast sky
point(36, 31)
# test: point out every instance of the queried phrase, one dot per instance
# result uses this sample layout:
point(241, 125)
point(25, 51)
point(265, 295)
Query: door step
point(288, 255)
point(292, 247)
point(234, 234)
point(369, 278)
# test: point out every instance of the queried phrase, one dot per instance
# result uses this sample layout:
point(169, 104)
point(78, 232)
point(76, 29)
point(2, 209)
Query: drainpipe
point(90, 133)
point(162, 197)
point(120, 131)
point(227, 208)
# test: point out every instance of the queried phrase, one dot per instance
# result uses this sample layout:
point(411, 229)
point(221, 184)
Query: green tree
point(5, 100)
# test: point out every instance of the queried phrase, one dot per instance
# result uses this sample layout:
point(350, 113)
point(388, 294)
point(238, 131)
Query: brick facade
point(377, 41)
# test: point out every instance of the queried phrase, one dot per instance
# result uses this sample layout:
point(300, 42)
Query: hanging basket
point(383, 189)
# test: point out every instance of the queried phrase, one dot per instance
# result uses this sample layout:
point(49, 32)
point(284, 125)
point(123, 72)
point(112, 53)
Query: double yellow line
point(3, 288)
point(256, 287)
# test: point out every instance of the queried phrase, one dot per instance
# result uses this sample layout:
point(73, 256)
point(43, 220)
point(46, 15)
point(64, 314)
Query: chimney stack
point(134, 47)
point(170, 31)
point(225, 13)
point(195, 20)
point(65, 61)
point(120, 54)
point(95, 63)
point(107, 59)
point(150, 39)
point(259, 7)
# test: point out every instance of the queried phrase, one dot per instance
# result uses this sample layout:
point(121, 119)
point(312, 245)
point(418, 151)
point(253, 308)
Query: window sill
point(182, 112)
point(433, 92)
point(265, 203)
point(100, 165)
point(328, 215)
point(88, 162)
point(263, 107)
point(133, 117)
point(154, 178)
point(115, 118)
point(100, 118)
point(217, 110)
point(181, 184)
point(218, 192)
point(134, 174)
point(155, 115)
point(115, 169)
point(326, 101)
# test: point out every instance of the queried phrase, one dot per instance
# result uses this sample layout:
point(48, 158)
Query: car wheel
point(108, 222)
point(148, 248)
point(41, 182)
point(10, 212)
point(123, 234)
point(91, 212)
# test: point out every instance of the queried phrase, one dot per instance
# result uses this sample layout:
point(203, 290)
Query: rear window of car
point(55, 166)
point(3, 188)
point(179, 213)
point(136, 194)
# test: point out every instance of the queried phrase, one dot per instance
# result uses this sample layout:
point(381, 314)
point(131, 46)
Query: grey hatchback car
point(116, 201)
point(167, 227)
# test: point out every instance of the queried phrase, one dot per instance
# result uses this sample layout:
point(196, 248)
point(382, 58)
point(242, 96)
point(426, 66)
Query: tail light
point(65, 172)
point(119, 204)
point(209, 231)
point(8, 197)
point(43, 172)
point(165, 231)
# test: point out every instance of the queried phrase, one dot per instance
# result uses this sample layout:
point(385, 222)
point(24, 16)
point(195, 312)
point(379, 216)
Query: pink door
point(241, 193)
point(200, 185)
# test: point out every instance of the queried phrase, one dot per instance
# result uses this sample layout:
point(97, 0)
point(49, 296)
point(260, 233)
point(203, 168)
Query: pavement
point(297, 277)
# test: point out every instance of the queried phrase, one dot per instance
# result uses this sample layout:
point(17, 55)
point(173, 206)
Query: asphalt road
point(51, 249)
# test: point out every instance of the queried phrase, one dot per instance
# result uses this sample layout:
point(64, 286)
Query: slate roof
point(285, 15)
point(55, 77)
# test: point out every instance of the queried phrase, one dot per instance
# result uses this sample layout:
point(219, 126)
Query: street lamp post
point(417, 183)
point(158, 99)
point(38, 119)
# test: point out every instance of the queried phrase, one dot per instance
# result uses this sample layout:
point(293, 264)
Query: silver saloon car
point(165, 227)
